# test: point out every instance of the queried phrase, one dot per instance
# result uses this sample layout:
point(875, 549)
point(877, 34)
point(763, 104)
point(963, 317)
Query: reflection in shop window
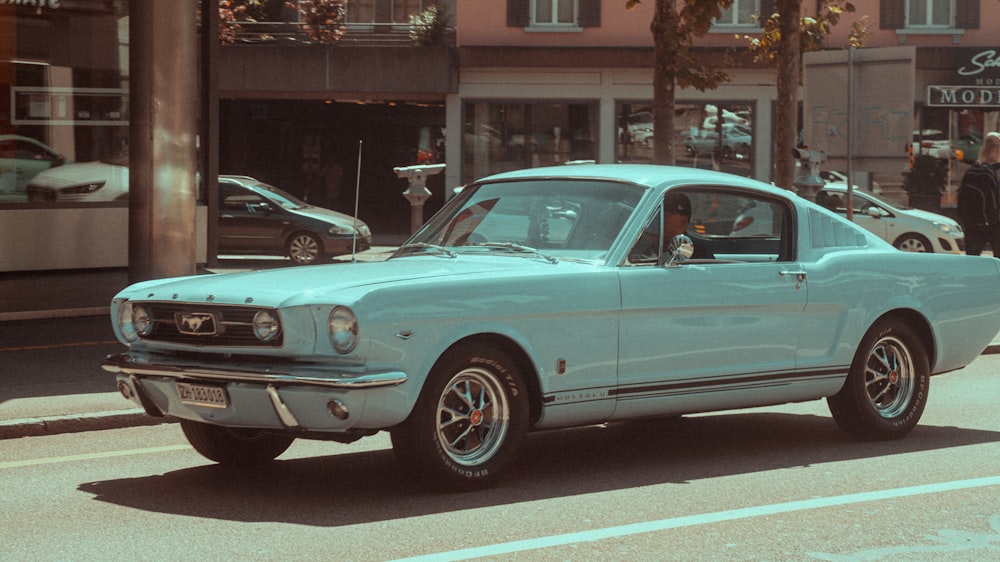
point(510, 136)
point(706, 135)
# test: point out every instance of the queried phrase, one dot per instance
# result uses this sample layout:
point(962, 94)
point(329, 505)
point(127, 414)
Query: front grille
point(207, 325)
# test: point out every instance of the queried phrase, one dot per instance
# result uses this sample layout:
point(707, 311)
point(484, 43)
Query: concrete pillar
point(163, 107)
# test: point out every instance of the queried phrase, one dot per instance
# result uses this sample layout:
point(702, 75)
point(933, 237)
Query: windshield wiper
point(517, 248)
point(423, 247)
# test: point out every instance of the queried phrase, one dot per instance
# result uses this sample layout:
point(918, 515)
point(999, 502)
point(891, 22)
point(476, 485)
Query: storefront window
point(706, 135)
point(501, 136)
point(64, 115)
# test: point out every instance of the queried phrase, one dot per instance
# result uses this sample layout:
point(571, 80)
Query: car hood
point(928, 216)
point(295, 286)
point(325, 215)
point(73, 174)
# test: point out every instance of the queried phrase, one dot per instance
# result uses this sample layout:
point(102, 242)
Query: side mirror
point(680, 249)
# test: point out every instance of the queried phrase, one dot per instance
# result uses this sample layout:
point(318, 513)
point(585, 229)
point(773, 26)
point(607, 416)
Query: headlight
point(266, 326)
point(134, 321)
point(83, 188)
point(343, 328)
point(337, 230)
point(142, 320)
point(125, 322)
point(948, 228)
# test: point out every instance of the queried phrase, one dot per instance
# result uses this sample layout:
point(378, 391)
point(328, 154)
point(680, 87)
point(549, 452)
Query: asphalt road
point(779, 483)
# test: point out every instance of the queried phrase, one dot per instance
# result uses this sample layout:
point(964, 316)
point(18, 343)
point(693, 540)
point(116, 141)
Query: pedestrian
point(979, 200)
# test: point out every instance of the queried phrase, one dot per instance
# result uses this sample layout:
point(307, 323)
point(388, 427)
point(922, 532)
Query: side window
point(725, 227)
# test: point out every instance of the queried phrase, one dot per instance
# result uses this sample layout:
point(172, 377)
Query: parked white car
point(910, 230)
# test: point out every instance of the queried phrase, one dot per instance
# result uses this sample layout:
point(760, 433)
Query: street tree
point(674, 63)
point(785, 36)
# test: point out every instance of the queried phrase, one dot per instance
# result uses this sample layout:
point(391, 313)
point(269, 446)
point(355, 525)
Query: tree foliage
point(766, 45)
point(323, 20)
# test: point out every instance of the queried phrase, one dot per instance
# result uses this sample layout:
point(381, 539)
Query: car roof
point(649, 175)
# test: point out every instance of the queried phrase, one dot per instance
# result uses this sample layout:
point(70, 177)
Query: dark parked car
point(257, 218)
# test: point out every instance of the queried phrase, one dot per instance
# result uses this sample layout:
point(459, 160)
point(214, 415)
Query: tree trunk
point(789, 65)
point(664, 28)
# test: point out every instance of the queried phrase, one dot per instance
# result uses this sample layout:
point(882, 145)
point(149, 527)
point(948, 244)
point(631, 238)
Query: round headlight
point(125, 325)
point(343, 327)
point(142, 320)
point(265, 326)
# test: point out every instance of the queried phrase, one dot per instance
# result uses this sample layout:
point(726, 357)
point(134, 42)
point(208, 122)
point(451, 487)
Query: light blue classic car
point(558, 297)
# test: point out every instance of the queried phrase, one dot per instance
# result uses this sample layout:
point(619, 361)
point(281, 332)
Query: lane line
point(91, 456)
point(703, 519)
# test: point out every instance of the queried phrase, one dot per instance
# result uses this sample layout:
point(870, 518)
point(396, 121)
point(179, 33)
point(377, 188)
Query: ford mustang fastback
point(558, 297)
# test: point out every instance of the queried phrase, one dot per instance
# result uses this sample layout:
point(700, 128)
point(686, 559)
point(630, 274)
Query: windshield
point(283, 198)
point(566, 218)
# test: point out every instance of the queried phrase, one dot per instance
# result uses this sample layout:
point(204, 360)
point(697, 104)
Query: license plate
point(203, 395)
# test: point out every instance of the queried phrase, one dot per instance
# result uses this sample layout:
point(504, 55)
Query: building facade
point(515, 83)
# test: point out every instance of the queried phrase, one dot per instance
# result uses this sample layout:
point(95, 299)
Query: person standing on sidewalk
point(979, 200)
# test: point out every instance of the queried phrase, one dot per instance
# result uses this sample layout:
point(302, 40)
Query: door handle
point(800, 275)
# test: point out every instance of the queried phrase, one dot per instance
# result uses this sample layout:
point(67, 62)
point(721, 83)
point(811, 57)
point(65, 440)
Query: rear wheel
point(469, 421)
point(886, 389)
point(913, 243)
point(305, 248)
point(234, 446)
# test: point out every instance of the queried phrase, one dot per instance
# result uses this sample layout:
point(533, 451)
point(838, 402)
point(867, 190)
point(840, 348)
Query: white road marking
point(91, 456)
point(704, 519)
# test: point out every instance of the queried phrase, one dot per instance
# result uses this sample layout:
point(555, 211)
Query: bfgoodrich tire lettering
point(886, 389)
point(234, 446)
point(469, 422)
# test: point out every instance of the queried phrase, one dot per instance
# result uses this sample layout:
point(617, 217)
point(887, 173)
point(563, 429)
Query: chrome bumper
point(130, 363)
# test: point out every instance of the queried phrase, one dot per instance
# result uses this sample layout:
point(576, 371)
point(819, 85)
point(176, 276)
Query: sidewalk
point(71, 408)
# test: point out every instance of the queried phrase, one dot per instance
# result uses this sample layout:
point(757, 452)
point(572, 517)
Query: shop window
point(501, 136)
point(706, 135)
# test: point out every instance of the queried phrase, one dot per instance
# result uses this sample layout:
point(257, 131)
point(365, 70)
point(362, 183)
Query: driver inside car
point(676, 216)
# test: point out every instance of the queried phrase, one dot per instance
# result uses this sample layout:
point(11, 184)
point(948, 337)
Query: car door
point(710, 333)
point(248, 222)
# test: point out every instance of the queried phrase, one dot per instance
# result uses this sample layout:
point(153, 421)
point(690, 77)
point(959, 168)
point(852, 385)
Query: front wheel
point(469, 421)
point(886, 388)
point(243, 447)
point(305, 249)
point(914, 243)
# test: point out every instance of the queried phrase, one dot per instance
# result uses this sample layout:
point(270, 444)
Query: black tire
point(468, 425)
point(913, 243)
point(304, 248)
point(886, 389)
point(242, 447)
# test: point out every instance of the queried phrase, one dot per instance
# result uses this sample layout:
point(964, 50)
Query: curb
point(75, 423)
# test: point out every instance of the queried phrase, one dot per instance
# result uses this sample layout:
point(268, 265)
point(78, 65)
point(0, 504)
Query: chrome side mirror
point(679, 250)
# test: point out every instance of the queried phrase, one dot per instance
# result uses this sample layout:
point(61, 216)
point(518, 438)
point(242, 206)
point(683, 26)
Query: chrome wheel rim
point(473, 416)
point(889, 377)
point(304, 249)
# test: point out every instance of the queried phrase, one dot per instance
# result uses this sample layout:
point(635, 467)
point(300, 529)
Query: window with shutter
point(554, 13)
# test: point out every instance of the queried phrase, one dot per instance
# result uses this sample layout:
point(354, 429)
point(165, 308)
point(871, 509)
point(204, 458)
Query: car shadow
point(356, 488)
